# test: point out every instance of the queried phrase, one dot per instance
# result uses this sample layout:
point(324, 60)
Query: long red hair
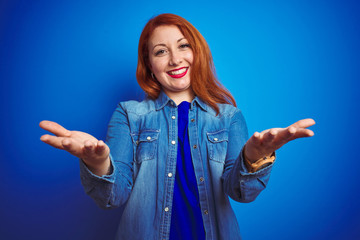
point(203, 79)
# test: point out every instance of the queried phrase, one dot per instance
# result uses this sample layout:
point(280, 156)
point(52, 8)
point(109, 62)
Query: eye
point(159, 52)
point(184, 45)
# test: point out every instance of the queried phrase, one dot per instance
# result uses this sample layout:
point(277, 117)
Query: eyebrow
point(162, 44)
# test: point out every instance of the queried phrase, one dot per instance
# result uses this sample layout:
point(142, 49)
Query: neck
point(179, 97)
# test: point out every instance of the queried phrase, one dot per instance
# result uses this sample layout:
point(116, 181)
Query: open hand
point(265, 143)
point(93, 152)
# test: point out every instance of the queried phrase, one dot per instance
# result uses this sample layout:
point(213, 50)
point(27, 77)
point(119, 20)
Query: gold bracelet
point(260, 163)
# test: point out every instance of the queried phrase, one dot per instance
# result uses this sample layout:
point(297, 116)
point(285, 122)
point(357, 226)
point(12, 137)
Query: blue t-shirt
point(186, 219)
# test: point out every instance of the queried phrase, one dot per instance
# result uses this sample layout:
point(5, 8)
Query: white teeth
point(177, 72)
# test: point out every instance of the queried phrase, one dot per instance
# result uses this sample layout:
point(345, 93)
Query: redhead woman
point(172, 161)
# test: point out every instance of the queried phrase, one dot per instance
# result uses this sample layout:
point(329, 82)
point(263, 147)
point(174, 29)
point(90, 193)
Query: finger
point(55, 128)
point(255, 138)
point(269, 136)
point(72, 147)
point(304, 123)
point(301, 133)
point(100, 148)
point(267, 130)
point(284, 136)
point(287, 133)
point(89, 147)
point(52, 141)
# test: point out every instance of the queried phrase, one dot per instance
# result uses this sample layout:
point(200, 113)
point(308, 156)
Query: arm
point(113, 190)
point(240, 183)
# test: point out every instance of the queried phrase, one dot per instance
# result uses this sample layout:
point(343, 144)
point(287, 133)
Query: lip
point(178, 75)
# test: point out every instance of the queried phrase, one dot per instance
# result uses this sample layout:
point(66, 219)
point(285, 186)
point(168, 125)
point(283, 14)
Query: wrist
point(100, 169)
point(254, 166)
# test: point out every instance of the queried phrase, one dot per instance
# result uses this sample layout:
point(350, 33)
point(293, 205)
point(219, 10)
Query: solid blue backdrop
point(73, 61)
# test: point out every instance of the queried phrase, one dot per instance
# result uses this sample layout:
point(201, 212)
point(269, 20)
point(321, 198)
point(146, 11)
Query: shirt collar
point(163, 99)
point(200, 102)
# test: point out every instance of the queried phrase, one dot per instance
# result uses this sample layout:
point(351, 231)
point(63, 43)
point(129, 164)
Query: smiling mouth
point(178, 73)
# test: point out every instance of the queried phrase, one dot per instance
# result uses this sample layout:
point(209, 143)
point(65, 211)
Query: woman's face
point(170, 58)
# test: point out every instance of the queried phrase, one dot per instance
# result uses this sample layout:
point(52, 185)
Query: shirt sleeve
point(110, 191)
point(238, 182)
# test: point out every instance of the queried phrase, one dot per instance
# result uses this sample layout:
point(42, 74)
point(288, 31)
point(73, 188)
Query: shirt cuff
point(87, 175)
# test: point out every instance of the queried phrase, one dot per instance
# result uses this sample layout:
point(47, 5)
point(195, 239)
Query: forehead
point(165, 35)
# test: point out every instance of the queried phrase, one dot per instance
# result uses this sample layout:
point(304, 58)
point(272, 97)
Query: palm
point(265, 143)
point(79, 144)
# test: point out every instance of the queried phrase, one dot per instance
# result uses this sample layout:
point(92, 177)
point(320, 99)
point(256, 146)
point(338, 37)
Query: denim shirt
point(142, 137)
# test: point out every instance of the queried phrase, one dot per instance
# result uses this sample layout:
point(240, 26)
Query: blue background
point(73, 61)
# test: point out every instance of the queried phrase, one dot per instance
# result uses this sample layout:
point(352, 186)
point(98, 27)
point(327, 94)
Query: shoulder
point(225, 111)
point(138, 108)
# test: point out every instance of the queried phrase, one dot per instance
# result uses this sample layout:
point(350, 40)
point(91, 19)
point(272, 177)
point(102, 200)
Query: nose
point(175, 59)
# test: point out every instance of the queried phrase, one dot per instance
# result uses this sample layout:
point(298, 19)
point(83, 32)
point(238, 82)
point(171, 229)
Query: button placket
point(170, 170)
point(198, 168)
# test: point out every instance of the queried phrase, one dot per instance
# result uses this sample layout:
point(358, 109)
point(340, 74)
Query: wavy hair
point(204, 82)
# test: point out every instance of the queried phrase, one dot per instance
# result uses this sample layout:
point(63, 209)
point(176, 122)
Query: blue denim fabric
point(142, 137)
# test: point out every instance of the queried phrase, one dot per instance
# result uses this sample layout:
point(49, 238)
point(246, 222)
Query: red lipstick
point(180, 75)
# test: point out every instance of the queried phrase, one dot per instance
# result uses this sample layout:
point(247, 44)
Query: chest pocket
point(146, 144)
point(217, 145)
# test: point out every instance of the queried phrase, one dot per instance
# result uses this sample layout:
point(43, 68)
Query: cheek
point(157, 66)
point(190, 57)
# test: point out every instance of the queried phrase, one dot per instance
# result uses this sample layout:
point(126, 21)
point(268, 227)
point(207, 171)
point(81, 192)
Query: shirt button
point(201, 179)
point(166, 209)
point(173, 117)
point(215, 139)
point(192, 120)
point(206, 212)
point(173, 142)
point(169, 174)
point(172, 103)
point(195, 146)
point(148, 138)
point(137, 142)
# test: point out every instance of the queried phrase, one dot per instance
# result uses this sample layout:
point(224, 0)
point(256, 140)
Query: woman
point(171, 161)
